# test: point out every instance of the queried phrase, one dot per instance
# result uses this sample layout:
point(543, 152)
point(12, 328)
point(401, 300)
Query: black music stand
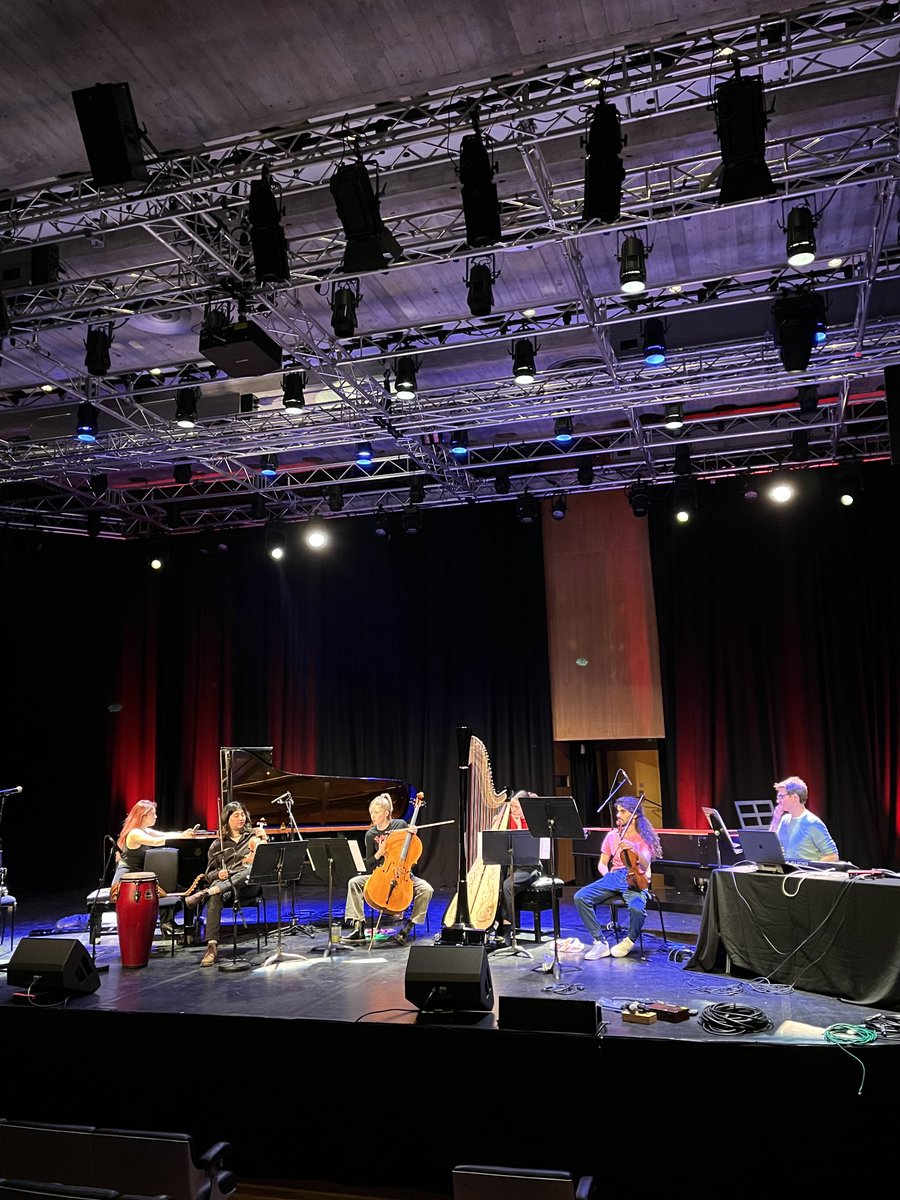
point(718, 826)
point(508, 847)
point(278, 863)
point(553, 817)
point(332, 861)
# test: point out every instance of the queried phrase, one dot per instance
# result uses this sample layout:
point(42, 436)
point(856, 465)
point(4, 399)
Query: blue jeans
point(614, 883)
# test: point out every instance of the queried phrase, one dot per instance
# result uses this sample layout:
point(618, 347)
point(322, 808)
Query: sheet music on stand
point(334, 860)
point(508, 848)
point(553, 817)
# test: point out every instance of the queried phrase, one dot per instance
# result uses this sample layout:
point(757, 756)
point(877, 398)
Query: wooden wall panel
point(600, 608)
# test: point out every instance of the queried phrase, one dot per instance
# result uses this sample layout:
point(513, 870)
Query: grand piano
point(321, 804)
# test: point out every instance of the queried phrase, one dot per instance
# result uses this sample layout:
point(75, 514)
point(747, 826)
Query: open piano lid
point(248, 774)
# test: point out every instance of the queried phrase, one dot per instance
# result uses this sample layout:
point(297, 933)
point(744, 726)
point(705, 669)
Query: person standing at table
point(804, 837)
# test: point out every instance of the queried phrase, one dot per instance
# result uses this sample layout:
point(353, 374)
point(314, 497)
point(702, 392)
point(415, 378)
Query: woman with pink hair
point(137, 833)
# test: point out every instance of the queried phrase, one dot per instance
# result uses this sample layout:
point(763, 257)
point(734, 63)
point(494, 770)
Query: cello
point(389, 888)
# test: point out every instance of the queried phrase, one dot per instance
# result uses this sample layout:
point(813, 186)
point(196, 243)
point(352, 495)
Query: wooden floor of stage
point(319, 1031)
point(368, 983)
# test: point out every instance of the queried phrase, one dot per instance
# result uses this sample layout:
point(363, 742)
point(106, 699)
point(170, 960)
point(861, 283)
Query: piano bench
point(538, 898)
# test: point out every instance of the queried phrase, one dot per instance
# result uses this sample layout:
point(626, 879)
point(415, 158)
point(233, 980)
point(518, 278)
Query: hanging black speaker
point(442, 978)
point(111, 135)
point(52, 965)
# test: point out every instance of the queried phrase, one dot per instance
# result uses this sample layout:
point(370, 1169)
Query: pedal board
point(669, 1012)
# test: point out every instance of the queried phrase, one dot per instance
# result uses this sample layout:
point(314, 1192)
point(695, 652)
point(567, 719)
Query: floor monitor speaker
point(443, 978)
point(52, 965)
point(552, 1014)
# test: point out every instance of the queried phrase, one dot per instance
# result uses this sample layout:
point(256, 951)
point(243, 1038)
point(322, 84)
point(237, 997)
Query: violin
point(635, 873)
point(390, 887)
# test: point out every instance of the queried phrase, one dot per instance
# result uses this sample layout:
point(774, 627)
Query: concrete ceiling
point(225, 92)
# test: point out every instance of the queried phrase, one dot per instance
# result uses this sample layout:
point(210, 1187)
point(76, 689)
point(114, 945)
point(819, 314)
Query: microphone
point(627, 780)
point(112, 841)
point(10, 791)
point(283, 798)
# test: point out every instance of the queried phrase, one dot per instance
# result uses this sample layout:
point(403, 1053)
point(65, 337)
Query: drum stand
point(92, 914)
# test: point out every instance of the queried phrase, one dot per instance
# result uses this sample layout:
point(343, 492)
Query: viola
point(390, 887)
point(634, 872)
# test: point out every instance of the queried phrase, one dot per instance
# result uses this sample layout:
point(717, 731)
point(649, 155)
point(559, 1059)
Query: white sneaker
point(620, 949)
point(598, 950)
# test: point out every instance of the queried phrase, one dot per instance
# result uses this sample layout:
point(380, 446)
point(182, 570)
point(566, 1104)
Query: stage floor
point(284, 1061)
point(363, 984)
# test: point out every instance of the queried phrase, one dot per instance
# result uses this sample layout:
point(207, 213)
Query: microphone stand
point(294, 927)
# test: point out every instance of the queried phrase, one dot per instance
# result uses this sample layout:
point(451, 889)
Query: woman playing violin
point(383, 823)
point(228, 865)
point(624, 870)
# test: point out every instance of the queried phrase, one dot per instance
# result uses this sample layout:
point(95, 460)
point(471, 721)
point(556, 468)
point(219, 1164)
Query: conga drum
point(137, 910)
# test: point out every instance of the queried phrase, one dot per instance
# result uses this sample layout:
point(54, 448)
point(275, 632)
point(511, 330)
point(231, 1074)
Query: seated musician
point(383, 824)
point(136, 834)
point(523, 875)
point(228, 865)
point(803, 836)
point(641, 840)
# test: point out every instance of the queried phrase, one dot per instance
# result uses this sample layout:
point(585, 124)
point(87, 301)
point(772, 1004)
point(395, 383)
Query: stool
point(538, 898)
point(619, 902)
point(7, 913)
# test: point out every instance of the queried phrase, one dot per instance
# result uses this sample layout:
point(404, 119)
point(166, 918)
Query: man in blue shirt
point(803, 836)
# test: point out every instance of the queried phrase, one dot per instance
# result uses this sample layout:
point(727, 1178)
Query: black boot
point(195, 899)
point(402, 937)
point(357, 933)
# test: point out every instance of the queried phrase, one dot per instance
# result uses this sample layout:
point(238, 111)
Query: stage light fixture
point(849, 485)
point(186, 402)
point(741, 120)
point(156, 561)
point(820, 333)
point(93, 524)
point(558, 507)
point(87, 422)
point(370, 244)
point(382, 527)
point(604, 173)
point(780, 489)
point(563, 431)
point(801, 236)
point(411, 520)
point(481, 207)
point(654, 342)
point(674, 417)
point(96, 349)
point(316, 535)
point(633, 266)
point(480, 281)
point(639, 499)
point(797, 318)
point(750, 491)
point(417, 491)
point(586, 473)
point(364, 454)
point(405, 378)
point(344, 301)
point(259, 510)
point(268, 465)
point(335, 498)
point(527, 509)
point(292, 386)
point(98, 484)
point(459, 443)
point(523, 362)
point(276, 543)
point(182, 473)
point(502, 483)
point(684, 504)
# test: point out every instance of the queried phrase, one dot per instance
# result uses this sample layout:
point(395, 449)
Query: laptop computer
point(761, 846)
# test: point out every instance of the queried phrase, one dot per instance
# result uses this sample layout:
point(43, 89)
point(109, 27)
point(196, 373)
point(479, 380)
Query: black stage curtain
point(779, 654)
point(359, 661)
